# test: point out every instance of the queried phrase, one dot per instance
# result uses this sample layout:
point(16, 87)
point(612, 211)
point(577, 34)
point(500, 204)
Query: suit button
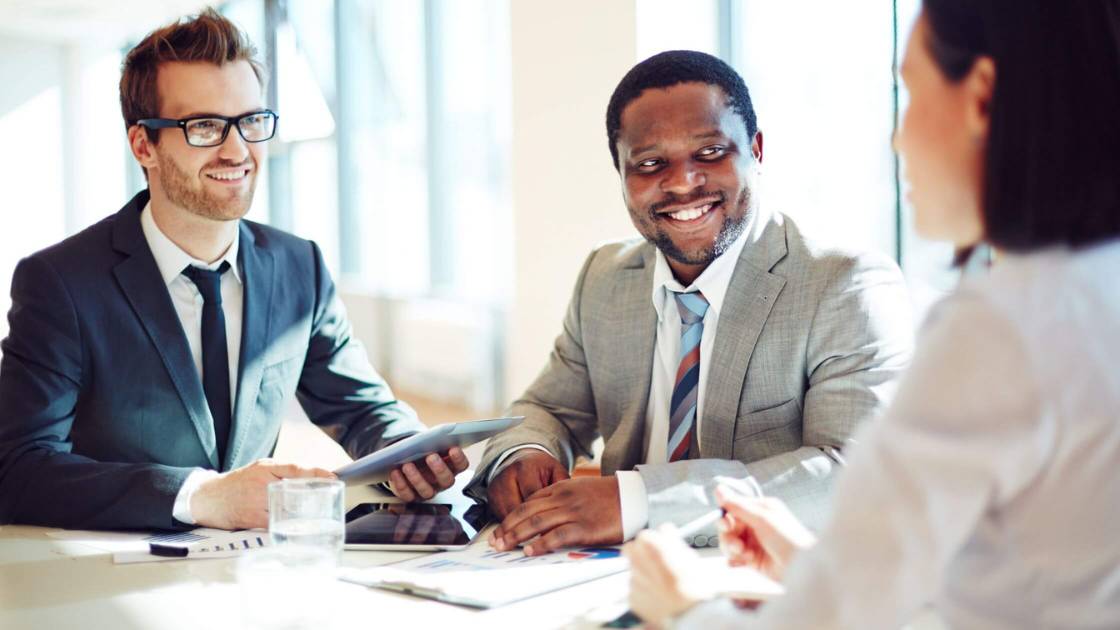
point(700, 541)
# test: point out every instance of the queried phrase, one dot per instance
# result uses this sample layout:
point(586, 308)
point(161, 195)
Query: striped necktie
point(682, 409)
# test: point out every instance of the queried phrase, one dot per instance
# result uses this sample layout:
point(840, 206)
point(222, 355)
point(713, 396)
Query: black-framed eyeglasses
point(210, 131)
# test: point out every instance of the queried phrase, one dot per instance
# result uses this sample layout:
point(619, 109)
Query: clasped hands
point(541, 506)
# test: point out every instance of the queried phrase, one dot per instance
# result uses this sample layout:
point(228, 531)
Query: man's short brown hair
point(208, 36)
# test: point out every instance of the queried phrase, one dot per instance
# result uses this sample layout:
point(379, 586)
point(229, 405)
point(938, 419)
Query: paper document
point(719, 579)
point(195, 544)
point(482, 577)
point(202, 542)
point(709, 578)
point(110, 542)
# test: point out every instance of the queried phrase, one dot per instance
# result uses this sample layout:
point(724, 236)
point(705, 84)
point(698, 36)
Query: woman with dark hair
point(991, 488)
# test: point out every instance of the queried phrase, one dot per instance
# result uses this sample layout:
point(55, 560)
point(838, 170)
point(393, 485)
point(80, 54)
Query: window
point(822, 82)
point(820, 78)
point(674, 25)
point(303, 166)
point(393, 141)
point(385, 165)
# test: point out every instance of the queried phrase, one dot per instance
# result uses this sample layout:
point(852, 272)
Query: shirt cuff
point(181, 511)
point(497, 466)
point(635, 506)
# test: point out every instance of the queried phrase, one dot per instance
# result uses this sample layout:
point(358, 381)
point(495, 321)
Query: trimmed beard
point(196, 200)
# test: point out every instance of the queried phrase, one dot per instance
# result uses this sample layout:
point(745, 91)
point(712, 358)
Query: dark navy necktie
point(215, 351)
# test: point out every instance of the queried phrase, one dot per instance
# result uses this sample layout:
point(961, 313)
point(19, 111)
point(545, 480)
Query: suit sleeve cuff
point(499, 464)
point(635, 507)
point(182, 508)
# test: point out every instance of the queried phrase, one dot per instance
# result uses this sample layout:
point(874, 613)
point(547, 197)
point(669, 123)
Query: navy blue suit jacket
point(102, 412)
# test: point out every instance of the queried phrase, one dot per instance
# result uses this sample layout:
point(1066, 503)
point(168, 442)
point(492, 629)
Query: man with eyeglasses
point(152, 356)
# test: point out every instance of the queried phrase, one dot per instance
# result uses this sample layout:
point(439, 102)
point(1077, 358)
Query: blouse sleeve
point(959, 440)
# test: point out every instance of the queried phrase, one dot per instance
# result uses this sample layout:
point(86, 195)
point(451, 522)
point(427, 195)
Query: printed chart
point(482, 558)
point(483, 577)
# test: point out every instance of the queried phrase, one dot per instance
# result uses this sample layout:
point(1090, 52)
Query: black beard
point(728, 232)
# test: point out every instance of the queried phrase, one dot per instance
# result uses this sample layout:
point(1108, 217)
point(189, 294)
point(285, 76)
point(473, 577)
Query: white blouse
point(991, 487)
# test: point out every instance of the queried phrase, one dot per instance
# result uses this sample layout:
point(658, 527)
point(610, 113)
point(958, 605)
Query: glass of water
point(306, 515)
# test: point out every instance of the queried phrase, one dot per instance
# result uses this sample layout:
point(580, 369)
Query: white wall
point(567, 59)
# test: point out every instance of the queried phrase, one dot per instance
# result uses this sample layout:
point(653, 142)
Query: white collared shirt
point(187, 300)
point(713, 283)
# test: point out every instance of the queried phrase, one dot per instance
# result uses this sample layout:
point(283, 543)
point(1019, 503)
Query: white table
point(52, 584)
point(47, 583)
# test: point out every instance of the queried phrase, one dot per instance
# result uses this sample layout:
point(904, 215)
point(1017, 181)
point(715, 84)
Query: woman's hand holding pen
point(760, 532)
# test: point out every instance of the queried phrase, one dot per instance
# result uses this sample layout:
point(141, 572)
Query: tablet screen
point(411, 524)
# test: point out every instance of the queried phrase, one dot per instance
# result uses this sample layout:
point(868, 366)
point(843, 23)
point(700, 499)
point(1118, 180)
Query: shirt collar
point(171, 259)
point(713, 282)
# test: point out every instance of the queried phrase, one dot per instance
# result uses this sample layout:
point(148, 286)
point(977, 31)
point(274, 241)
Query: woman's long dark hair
point(1053, 163)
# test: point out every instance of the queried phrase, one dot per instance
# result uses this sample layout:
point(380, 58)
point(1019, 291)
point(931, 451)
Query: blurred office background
point(450, 158)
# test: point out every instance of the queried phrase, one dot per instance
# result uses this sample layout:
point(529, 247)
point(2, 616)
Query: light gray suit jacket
point(807, 346)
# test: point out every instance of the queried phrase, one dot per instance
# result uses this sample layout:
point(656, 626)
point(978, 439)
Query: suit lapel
point(749, 300)
point(143, 287)
point(257, 272)
point(635, 329)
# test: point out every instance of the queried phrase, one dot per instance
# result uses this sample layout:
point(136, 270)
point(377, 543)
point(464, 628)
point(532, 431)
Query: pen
point(691, 528)
point(168, 551)
point(628, 619)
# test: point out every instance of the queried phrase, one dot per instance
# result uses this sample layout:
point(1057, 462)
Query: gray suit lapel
point(634, 327)
point(143, 287)
point(258, 276)
point(750, 297)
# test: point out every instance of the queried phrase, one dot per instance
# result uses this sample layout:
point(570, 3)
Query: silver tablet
point(375, 467)
point(413, 526)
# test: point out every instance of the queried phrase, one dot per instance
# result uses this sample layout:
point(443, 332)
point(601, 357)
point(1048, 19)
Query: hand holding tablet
point(383, 465)
point(424, 478)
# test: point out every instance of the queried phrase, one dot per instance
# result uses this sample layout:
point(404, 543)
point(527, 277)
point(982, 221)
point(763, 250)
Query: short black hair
point(1052, 172)
point(671, 68)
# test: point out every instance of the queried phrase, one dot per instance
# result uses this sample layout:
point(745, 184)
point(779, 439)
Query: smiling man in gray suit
point(725, 343)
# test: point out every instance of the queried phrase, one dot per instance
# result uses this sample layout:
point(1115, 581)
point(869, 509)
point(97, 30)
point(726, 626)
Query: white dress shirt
point(713, 283)
point(990, 488)
point(185, 297)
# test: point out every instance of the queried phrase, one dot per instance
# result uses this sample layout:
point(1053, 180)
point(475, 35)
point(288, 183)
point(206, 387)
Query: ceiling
point(110, 22)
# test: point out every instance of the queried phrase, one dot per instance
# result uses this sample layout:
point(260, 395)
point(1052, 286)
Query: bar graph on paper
point(481, 558)
point(454, 576)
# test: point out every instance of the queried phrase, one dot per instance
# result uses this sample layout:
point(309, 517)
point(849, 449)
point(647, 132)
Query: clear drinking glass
point(307, 514)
